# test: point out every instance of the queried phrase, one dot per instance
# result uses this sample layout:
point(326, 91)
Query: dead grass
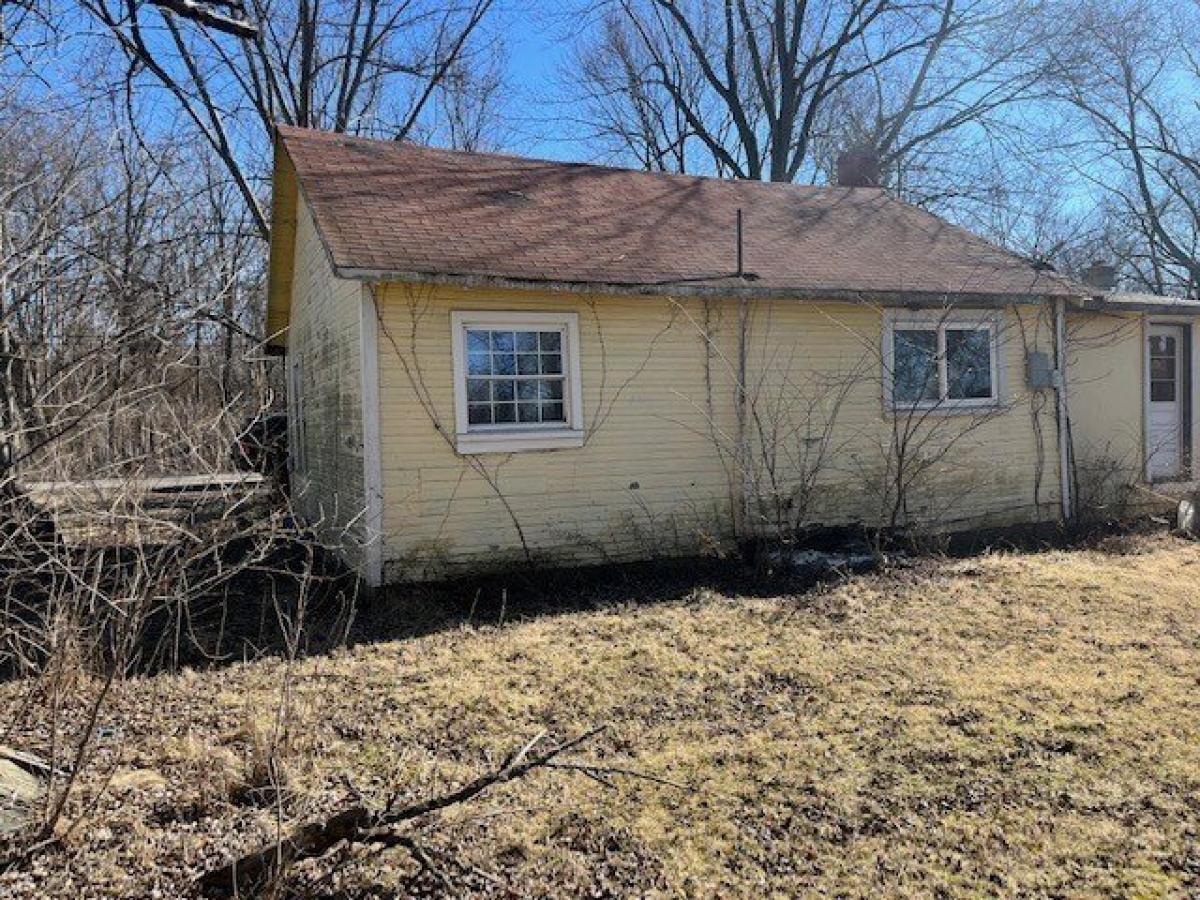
point(1014, 724)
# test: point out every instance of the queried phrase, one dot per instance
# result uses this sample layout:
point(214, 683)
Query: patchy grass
point(1008, 724)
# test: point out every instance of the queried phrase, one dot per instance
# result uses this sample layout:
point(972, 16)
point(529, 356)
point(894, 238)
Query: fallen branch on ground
point(364, 825)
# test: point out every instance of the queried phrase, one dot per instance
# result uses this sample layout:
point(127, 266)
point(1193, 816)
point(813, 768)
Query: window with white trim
point(940, 360)
point(516, 381)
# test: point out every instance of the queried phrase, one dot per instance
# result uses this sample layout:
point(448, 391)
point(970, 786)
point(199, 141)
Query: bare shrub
point(126, 360)
point(1104, 488)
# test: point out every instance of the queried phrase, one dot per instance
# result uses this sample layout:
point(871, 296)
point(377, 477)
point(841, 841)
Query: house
point(495, 361)
point(1134, 390)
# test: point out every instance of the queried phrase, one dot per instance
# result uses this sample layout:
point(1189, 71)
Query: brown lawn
point(1014, 724)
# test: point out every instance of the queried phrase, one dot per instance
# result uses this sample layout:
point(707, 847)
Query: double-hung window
point(516, 381)
point(941, 360)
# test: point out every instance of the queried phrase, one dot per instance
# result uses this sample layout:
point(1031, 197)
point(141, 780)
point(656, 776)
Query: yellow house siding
point(647, 456)
point(928, 469)
point(324, 343)
point(1104, 371)
point(1106, 368)
point(659, 470)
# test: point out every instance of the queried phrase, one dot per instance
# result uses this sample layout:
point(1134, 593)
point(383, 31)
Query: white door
point(1164, 418)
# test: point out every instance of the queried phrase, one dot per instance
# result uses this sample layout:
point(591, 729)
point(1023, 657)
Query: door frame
point(1187, 376)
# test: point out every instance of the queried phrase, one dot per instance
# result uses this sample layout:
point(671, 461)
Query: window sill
point(516, 441)
point(947, 408)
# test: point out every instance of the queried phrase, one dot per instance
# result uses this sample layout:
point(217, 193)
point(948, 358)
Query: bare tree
point(774, 90)
point(468, 115)
point(225, 16)
point(343, 65)
point(123, 271)
point(1131, 74)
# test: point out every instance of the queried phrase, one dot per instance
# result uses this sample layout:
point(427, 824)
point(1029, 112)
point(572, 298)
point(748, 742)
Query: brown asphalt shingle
point(399, 208)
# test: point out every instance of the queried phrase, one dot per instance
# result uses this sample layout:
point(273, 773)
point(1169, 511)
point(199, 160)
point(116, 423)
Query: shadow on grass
point(312, 606)
point(415, 610)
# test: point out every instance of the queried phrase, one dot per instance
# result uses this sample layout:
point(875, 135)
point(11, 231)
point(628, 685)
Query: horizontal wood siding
point(659, 471)
point(1104, 371)
point(324, 338)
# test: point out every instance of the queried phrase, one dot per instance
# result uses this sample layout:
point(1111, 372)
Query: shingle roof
point(399, 210)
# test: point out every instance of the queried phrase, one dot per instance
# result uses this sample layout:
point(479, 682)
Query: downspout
point(1063, 411)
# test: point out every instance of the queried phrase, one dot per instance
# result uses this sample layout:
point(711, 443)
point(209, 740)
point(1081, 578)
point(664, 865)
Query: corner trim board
point(368, 331)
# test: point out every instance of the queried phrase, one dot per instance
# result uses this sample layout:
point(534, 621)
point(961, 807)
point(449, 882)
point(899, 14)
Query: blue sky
point(538, 40)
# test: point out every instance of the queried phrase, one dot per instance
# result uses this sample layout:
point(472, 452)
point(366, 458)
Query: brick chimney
point(858, 167)
point(1100, 276)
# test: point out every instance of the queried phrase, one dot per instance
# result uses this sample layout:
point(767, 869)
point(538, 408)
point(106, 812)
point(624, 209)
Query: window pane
point(1162, 345)
point(479, 364)
point(968, 363)
point(1162, 391)
point(915, 374)
point(1163, 368)
point(514, 377)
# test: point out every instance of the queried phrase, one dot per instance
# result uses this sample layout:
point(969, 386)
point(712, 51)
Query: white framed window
point(516, 381)
point(941, 360)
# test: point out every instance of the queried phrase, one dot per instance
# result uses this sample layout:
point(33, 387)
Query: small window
point(1163, 368)
point(516, 381)
point(943, 360)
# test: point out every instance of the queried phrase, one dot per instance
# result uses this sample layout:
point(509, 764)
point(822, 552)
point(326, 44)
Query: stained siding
point(324, 339)
point(658, 473)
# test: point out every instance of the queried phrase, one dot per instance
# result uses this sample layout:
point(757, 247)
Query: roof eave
point(748, 290)
point(1103, 304)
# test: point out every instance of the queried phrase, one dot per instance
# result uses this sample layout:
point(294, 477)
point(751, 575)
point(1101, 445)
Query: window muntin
point(515, 377)
point(949, 361)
